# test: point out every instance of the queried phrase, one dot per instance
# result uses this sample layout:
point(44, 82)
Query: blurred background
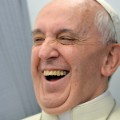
point(17, 99)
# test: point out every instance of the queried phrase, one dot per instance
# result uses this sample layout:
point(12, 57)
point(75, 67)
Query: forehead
point(55, 12)
point(62, 14)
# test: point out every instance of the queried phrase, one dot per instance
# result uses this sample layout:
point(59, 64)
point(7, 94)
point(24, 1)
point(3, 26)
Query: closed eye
point(66, 40)
point(38, 40)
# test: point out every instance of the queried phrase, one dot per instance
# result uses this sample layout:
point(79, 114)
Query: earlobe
point(111, 60)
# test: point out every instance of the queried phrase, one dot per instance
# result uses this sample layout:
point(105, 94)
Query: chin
point(58, 107)
point(55, 111)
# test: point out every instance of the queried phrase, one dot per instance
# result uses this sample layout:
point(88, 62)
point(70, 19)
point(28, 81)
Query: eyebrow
point(37, 31)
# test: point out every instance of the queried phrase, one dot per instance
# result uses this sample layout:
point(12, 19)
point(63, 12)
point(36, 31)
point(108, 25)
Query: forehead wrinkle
point(55, 26)
point(67, 31)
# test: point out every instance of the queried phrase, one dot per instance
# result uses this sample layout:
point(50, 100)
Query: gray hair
point(105, 26)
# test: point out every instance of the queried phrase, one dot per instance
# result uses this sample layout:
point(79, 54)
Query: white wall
point(35, 5)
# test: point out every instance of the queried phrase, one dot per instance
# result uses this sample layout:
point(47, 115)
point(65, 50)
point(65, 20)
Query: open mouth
point(54, 75)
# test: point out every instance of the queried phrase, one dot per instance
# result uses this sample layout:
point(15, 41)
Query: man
point(74, 54)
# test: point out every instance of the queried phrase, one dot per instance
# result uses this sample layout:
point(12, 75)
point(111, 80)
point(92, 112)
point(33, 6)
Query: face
point(66, 59)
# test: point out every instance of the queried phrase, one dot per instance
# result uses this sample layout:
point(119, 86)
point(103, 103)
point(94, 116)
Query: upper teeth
point(54, 73)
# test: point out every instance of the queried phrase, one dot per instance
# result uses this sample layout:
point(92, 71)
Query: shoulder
point(34, 117)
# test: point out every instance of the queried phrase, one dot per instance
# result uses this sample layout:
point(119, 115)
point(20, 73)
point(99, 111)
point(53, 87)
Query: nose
point(48, 50)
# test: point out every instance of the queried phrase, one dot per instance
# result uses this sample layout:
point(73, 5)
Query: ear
point(111, 61)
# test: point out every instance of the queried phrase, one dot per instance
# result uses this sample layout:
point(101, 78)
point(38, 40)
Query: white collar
point(67, 115)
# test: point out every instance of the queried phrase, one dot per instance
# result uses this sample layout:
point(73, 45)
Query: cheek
point(34, 61)
point(85, 65)
point(70, 54)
